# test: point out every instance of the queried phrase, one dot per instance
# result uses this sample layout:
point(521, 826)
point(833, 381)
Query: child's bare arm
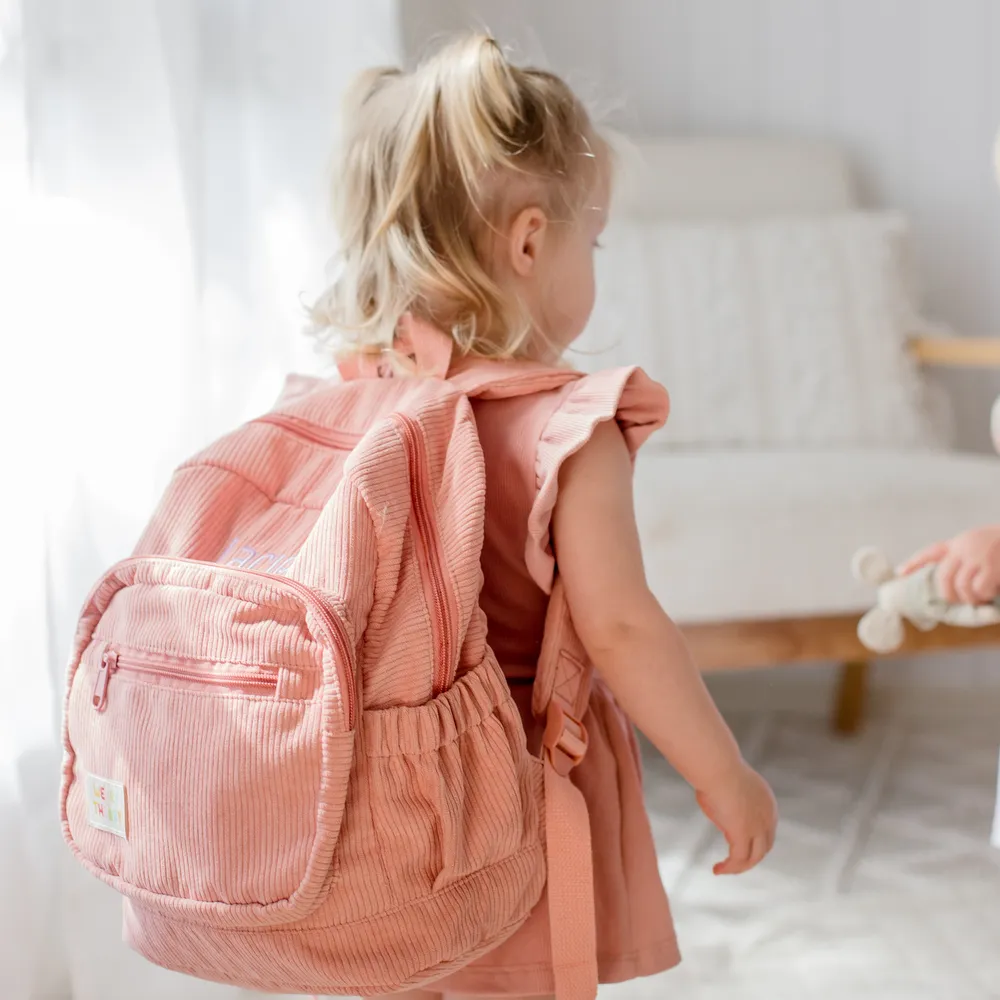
point(639, 651)
point(637, 648)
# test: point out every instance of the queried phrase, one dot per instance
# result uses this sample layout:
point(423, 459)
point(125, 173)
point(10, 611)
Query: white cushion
point(723, 178)
point(735, 535)
point(769, 333)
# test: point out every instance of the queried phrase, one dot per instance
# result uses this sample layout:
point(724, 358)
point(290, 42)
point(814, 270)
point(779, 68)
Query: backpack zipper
point(153, 665)
point(342, 440)
point(335, 632)
point(429, 546)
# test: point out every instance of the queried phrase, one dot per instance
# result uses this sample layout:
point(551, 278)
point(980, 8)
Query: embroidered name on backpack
point(106, 805)
point(247, 557)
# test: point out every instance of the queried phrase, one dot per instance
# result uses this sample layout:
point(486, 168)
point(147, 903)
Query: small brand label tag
point(106, 805)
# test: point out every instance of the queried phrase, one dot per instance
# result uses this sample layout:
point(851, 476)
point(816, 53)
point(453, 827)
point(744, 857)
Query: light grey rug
point(882, 884)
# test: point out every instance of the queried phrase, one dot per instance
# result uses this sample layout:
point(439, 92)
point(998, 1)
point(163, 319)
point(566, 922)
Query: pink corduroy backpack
point(287, 742)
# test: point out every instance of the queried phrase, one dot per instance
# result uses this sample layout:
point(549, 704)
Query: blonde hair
point(427, 157)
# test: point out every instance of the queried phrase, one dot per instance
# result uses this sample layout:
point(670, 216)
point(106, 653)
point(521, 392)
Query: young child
point(470, 199)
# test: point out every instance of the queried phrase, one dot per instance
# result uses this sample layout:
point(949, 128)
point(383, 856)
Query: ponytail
point(424, 163)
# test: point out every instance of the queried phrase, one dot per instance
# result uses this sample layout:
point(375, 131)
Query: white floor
point(882, 883)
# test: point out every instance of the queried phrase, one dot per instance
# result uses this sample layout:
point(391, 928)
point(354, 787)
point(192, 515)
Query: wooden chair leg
point(852, 696)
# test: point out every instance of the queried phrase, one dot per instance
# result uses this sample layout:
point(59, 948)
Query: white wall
point(912, 87)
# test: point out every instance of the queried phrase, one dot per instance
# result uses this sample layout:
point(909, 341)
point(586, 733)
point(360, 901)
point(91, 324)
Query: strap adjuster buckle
point(565, 739)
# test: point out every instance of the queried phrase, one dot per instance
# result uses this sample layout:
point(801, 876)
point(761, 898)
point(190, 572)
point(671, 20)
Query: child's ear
point(528, 232)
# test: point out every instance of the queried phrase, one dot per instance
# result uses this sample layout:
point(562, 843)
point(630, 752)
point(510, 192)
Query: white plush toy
point(913, 597)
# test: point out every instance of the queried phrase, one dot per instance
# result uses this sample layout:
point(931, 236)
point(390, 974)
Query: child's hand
point(744, 810)
point(968, 566)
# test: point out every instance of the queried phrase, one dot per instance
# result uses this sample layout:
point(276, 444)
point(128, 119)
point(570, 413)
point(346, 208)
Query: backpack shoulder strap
point(482, 379)
point(431, 353)
point(563, 678)
point(561, 693)
point(564, 670)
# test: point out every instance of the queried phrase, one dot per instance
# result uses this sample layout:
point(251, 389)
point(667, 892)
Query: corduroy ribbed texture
point(307, 811)
point(327, 781)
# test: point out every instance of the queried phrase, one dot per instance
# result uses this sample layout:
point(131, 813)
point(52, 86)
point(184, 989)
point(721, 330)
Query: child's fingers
point(984, 586)
point(946, 573)
point(738, 859)
point(758, 851)
point(747, 855)
point(964, 588)
point(933, 553)
point(728, 867)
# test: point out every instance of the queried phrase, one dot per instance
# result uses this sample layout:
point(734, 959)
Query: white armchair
point(749, 544)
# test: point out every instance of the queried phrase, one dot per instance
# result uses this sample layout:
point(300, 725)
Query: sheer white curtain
point(163, 170)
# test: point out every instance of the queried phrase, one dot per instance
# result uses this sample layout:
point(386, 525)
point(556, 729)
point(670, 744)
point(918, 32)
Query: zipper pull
point(109, 664)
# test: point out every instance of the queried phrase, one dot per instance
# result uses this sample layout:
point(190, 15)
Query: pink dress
point(525, 442)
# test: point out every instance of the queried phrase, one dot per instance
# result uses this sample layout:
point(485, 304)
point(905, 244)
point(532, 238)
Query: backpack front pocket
point(209, 731)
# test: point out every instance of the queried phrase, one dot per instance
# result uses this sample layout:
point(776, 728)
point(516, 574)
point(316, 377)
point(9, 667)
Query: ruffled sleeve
point(627, 395)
